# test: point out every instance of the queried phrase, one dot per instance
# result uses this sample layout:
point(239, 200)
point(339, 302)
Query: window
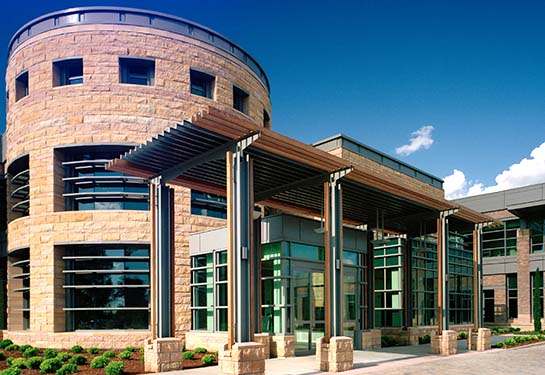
point(21, 86)
point(533, 284)
point(20, 284)
point(68, 72)
point(266, 119)
point(137, 71)
point(501, 241)
point(208, 205)
point(89, 186)
point(202, 84)
point(19, 188)
point(107, 287)
point(460, 277)
point(424, 280)
point(512, 296)
point(240, 100)
point(537, 235)
point(489, 305)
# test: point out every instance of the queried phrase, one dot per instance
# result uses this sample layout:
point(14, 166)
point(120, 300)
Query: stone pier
point(282, 346)
point(337, 356)
point(162, 355)
point(246, 358)
point(481, 341)
point(371, 339)
point(445, 344)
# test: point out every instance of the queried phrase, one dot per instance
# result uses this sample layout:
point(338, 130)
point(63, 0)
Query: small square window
point(202, 84)
point(266, 119)
point(137, 71)
point(68, 72)
point(21, 86)
point(241, 99)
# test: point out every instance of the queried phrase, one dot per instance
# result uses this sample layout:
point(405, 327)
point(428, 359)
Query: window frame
point(130, 62)
point(207, 79)
point(61, 68)
point(241, 100)
point(22, 86)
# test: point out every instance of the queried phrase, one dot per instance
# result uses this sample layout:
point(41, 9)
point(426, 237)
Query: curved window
point(18, 185)
point(107, 287)
point(89, 186)
point(20, 277)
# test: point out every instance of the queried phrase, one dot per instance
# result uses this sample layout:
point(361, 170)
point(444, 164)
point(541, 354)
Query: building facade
point(83, 86)
point(513, 253)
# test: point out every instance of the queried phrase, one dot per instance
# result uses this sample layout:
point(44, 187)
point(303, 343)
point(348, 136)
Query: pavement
point(417, 360)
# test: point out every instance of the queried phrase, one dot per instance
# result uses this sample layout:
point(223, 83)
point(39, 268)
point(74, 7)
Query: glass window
point(101, 291)
point(266, 119)
point(537, 233)
point(500, 241)
point(137, 71)
point(202, 84)
point(461, 277)
point(210, 205)
point(68, 72)
point(309, 252)
point(20, 284)
point(241, 100)
point(512, 296)
point(21, 86)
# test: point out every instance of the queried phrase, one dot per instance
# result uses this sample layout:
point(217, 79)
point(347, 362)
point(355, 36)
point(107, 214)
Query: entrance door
point(309, 306)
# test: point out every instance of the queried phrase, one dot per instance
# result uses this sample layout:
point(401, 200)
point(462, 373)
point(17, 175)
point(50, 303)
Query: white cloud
point(420, 139)
point(526, 172)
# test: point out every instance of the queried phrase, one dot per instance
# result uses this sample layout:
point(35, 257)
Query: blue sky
point(380, 70)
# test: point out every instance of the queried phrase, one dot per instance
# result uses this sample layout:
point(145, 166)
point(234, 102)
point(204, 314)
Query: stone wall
point(213, 341)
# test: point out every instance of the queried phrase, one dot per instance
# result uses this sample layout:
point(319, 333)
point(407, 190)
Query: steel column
point(477, 277)
point(443, 269)
point(163, 253)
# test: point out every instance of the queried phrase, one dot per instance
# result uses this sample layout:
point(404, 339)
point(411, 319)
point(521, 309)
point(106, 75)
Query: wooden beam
point(439, 278)
point(230, 251)
point(327, 248)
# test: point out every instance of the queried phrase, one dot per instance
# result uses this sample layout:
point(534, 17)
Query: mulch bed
point(522, 344)
point(131, 366)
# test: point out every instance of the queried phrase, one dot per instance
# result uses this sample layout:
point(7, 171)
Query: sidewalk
point(365, 361)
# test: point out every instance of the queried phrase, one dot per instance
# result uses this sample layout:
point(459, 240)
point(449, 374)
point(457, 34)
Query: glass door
point(309, 306)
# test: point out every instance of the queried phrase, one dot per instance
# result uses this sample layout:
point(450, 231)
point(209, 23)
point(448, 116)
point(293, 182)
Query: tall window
point(512, 296)
point(209, 291)
point(202, 84)
point(537, 235)
point(18, 187)
point(502, 240)
point(460, 277)
point(241, 100)
point(489, 303)
point(137, 71)
point(355, 292)
point(21, 86)
point(107, 287)
point(20, 262)
point(68, 72)
point(424, 280)
point(532, 286)
point(89, 186)
point(388, 262)
point(208, 205)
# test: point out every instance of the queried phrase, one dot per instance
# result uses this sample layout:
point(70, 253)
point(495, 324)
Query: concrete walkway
point(365, 361)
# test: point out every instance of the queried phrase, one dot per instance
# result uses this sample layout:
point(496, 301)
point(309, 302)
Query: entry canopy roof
point(288, 174)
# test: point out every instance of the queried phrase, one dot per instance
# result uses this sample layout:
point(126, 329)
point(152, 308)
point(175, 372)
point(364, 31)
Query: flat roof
point(341, 140)
point(135, 17)
point(288, 174)
point(515, 199)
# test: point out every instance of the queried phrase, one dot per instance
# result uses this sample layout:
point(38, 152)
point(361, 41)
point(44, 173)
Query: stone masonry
point(162, 355)
point(481, 340)
point(247, 358)
point(102, 111)
point(445, 344)
point(524, 319)
point(371, 339)
point(335, 356)
point(282, 346)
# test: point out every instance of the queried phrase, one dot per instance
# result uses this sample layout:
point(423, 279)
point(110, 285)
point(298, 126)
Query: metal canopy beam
point(333, 241)
point(213, 154)
point(310, 181)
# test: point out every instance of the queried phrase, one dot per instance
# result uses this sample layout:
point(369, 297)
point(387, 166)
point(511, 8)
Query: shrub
point(76, 349)
point(388, 341)
point(12, 347)
point(22, 348)
point(142, 350)
point(509, 342)
point(11, 371)
point(426, 339)
point(130, 349)
point(499, 344)
point(78, 359)
point(99, 362)
point(34, 362)
point(462, 335)
point(5, 343)
point(69, 368)
point(200, 350)
point(9, 361)
point(125, 355)
point(64, 356)
point(189, 355)
point(2, 356)
point(18, 363)
point(114, 368)
point(50, 353)
point(31, 352)
point(50, 366)
point(109, 354)
point(208, 359)
point(92, 350)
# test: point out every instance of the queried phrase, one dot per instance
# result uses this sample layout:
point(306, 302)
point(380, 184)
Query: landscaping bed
point(28, 360)
point(520, 341)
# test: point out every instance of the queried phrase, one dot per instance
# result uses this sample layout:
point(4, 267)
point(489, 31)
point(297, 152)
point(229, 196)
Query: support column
point(477, 277)
point(524, 319)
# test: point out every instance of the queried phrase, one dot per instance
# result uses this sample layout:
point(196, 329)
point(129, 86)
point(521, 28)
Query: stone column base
point(265, 340)
point(445, 344)
point(162, 355)
point(481, 341)
point(282, 346)
point(371, 339)
point(244, 358)
point(337, 356)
